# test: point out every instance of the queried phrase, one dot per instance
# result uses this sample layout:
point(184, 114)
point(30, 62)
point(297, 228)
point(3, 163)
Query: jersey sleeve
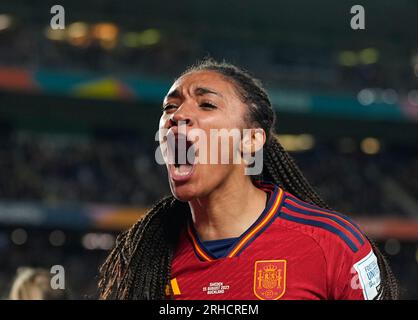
point(356, 275)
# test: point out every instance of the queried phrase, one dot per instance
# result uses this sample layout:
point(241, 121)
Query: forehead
point(205, 78)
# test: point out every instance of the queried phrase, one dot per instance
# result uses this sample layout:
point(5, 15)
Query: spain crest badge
point(269, 279)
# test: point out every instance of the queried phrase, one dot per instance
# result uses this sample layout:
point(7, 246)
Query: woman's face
point(198, 102)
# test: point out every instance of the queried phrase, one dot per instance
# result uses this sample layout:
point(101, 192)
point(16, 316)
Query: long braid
point(390, 288)
point(139, 266)
point(282, 170)
point(279, 167)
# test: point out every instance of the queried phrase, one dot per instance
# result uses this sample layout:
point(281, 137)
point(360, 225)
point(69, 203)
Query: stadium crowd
point(28, 46)
point(54, 169)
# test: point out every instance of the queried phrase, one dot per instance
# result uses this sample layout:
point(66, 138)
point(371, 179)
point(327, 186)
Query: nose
point(183, 115)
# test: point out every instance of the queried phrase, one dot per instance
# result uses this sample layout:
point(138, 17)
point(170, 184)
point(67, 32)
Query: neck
point(229, 210)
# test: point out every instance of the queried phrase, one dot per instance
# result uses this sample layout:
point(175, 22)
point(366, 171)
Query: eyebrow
point(173, 94)
point(199, 91)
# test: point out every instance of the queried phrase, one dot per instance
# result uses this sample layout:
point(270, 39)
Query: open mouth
point(181, 157)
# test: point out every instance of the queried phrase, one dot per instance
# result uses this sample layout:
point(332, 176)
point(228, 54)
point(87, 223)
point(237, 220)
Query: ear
point(253, 140)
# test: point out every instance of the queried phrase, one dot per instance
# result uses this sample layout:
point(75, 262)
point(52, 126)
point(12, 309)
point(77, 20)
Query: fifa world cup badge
point(269, 279)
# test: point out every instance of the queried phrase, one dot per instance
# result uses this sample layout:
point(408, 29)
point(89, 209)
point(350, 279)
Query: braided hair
point(139, 265)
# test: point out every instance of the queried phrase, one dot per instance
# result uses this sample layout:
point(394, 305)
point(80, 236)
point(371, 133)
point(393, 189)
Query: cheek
point(161, 137)
point(162, 128)
point(163, 121)
point(223, 137)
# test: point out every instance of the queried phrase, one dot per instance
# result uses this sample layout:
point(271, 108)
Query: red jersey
point(294, 250)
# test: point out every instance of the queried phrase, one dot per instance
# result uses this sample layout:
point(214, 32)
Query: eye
point(169, 107)
point(207, 105)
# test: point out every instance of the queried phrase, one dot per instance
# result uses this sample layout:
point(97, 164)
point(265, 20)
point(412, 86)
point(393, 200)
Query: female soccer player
point(227, 235)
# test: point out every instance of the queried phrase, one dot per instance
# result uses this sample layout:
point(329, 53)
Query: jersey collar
point(276, 195)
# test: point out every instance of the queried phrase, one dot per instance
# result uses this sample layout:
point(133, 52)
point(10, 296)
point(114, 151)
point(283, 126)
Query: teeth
point(183, 170)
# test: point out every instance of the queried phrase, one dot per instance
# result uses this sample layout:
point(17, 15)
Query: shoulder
point(332, 230)
point(350, 260)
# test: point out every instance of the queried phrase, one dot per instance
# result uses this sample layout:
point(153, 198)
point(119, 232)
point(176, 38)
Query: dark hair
point(139, 266)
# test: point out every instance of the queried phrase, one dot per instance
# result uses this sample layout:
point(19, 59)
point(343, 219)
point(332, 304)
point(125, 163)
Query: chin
point(183, 192)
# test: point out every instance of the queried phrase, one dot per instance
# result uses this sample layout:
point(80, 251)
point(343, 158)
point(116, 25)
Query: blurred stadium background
point(79, 109)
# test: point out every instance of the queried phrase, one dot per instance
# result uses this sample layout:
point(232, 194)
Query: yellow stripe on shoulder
point(175, 287)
